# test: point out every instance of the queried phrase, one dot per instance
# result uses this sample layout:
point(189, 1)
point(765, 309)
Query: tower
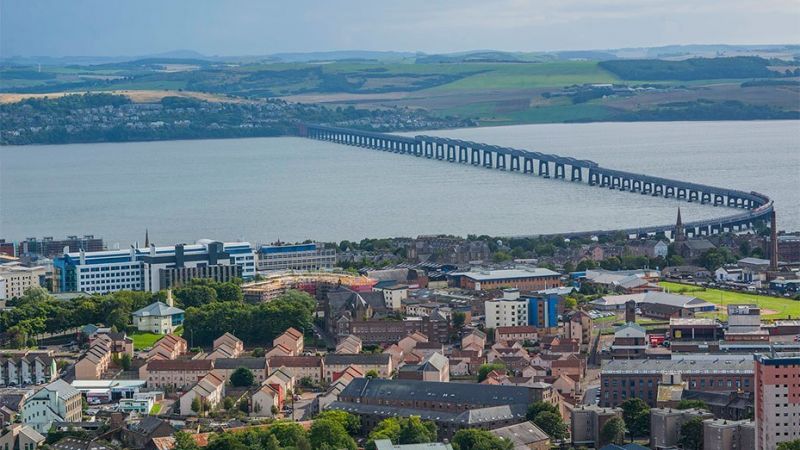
point(146, 238)
point(679, 234)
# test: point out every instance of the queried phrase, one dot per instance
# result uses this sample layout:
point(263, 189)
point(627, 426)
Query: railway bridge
point(755, 207)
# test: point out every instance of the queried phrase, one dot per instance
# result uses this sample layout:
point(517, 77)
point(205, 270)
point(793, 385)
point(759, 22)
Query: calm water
point(293, 189)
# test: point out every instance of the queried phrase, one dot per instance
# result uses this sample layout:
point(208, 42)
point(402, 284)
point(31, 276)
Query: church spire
point(146, 238)
point(679, 231)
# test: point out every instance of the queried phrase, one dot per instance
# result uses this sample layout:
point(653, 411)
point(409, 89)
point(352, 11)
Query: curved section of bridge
point(756, 207)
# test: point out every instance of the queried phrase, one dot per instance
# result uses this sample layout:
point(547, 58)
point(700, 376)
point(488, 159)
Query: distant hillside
point(690, 69)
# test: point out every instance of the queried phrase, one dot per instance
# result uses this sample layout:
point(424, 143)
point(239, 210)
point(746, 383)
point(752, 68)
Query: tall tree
point(538, 407)
point(789, 445)
point(636, 414)
point(330, 434)
point(477, 439)
point(242, 377)
point(613, 432)
point(552, 424)
point(691, 435)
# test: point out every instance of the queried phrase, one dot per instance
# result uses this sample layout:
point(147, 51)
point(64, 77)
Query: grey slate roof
point(739, 364)
point(471, 417)
point(414, 390)
point(521, 434)
point(364, 358)
point(158, 309)
point(235, 363)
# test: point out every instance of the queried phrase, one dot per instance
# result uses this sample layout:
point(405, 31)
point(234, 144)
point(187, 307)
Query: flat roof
point(742, 364)
point(507, 274)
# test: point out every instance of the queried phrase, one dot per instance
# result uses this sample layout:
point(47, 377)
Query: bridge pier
point(462, 154)
point(440, 151)
point(616, 183)
point(694, 196)
point(544, 169)
point(705, 197)
point(475, 157)
point(501, 162)
point(732, 201)
point(527, 165)
point(681, 193)
point(594, 177)
point(451, 153)
point(626, 184)
point(487, 159)
point(605, 180)
point(636, 185)
point(558, 171)
point(669, 191)
point(514, 163)
point(429, 149)
point(577, 174)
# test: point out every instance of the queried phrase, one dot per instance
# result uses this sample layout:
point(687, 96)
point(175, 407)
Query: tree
point(691, 435)
point(636, 415)
point(227, 403)
point(125, 361)
point(195, 295)
point(538, 407)
point(477, 439)
point(350, 422)
point(290, 434)
point(372, 373)
point(258, 352)
point(330, 434)
point(459, 318)
point(184, 441)
point(552, 424)
point(196, 405)
point(414, 431)
point(484, 370)
point(692, 404)
point(242, 377)
point(225, 441)
point(613, 432)
point(570, 303)
point(789, 445)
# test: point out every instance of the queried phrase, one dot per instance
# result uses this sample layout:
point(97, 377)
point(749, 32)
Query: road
point(590, 395)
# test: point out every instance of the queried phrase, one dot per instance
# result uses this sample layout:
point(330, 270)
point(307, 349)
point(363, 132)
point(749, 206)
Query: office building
point(666, 423)
point(523, 278)
point(510, 310)
point(152, 269)
point(15, 279)
point(587, 421)
point(313, 256)
point(49, 248)
point(777, 399)
point(721, 434)
point(56, 402)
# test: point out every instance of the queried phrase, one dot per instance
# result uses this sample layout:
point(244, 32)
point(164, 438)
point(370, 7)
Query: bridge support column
point(669, 191)
point(451, 153)
point(527, 165)
point(544, 169)
point(577, 174)
point(616, 182)
point(487, 159)
point(705, 198)
point(440, 151)
point(626, 185)
point(429, 149)
point(475, 157)
point(463, 157)
point(500, 163)
point(594, 178)
point(514, 163)
point(694, 196)
point(605, 180)
point(681, 193)
point(718, 200)
point(732, 201)
point(559, 171)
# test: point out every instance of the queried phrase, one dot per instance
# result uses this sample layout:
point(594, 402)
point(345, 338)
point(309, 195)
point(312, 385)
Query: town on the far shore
point(665, 341)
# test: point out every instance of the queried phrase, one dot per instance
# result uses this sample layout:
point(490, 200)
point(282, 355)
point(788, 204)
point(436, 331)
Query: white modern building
point(56, 402)
point(508, 311)
point(309, 256)
point(153, 268)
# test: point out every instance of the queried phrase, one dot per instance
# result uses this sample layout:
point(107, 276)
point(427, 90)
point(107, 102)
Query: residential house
point(224, 367)
point(268, 398)
point(435, 367)
point(587, 421)
point(226, 346)
point(334, 365)
point(21, 437)
point(96, 360)
point(630, 342)
point(349, 345)
point(291, 339)
point(178, 374)
point(321, 402)
point(159, 317)
point(138, 434)
point(474, 340)
point(571, 365)
point(310, 367)
point(27, 368)
point(516, 333)
point(120, 342)
point(280, 350)
point(170, 346)
point(410, 342)
point(55, 402)
point(209, 391)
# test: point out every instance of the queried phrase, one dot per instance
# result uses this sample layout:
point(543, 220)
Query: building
point(386, 444)
point(666, 423)
point(158, 317)
point(139, 434)
point(177, 374)
point(721, 434)
point(15, 279)
point(224, 367)
point(21, 437)
point(168, 347)
point(310, 256)
point(586, 421)
point(152, 269)
point(393, 294)
point(518, 333)
point(510, 310)
point(434, 367)
point(349, 345)
point(743, 319)
point(268, 398)
point(622, 379)
point(335, 364)
point(48, 247)
point(452, 406)
point(630, 342)
point(543, 310)
point(789, 248)
point(695, 329)
point(95, 361)
point(209, 391)
point(27, 368)
point(55, 402)
point(381, 331)
point(625, 281)
point(579, 327)
point(310, 367)
point(777, 398)
point(226, 346)
point(291, 339)
point(524, 436)
point(523, 279)
point(617, 302)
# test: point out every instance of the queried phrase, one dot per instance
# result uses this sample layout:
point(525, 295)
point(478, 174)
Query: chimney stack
point(170, 300)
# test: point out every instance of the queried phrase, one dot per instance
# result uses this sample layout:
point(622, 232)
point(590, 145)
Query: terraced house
point(27, 368)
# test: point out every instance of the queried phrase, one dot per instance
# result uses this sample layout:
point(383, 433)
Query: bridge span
point(757, 207)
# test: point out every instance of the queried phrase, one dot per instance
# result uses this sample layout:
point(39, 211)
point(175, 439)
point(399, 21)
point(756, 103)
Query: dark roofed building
point(138, 435)
point(452, 406)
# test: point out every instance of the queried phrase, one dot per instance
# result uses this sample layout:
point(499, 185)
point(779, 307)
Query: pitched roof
point(295, 361)
point(162, 365)
point(235, 363)
point(360, 359)
point(522, 434)
point(158, 309)
point(63, 389)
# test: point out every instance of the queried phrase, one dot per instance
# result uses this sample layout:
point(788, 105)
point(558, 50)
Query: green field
point(771, 307)
point(143, 339)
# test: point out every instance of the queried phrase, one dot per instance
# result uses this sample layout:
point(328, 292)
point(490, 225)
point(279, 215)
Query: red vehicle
point(656, 339)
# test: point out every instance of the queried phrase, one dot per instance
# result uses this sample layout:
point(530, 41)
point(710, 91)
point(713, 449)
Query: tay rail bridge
point(754, 207)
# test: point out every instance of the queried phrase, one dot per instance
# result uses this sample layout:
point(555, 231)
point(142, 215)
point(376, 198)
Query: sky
point(258, 27)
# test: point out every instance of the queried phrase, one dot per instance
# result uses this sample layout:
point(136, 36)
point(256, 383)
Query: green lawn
point(156, 409)
point(772, 307)
point(143, 339)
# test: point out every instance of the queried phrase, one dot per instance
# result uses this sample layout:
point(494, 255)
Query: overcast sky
point(257, 27)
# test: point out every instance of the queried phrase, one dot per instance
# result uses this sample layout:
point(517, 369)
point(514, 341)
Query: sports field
point(771, 307)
